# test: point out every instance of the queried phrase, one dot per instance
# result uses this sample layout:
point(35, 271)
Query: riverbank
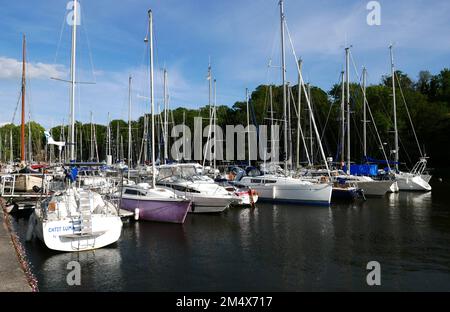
point(12, 265)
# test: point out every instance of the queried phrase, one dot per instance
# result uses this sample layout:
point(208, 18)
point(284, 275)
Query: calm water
point(270, 248)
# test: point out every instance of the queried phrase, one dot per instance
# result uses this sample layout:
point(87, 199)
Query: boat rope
point(409, 115)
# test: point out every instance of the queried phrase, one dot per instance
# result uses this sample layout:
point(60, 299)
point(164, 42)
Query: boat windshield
point(184, 172)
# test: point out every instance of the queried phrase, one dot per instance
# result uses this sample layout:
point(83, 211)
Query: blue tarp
point(363, 170)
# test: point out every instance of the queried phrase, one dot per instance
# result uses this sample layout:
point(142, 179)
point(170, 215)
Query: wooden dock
point(12, 274)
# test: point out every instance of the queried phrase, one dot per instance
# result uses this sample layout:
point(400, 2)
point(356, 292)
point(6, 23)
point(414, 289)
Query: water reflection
point(271, 248)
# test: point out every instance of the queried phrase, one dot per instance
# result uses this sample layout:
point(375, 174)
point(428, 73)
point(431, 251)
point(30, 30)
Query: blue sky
point(239, 36)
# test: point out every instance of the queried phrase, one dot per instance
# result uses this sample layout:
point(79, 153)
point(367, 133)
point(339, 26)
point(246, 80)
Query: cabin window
point(133, 192)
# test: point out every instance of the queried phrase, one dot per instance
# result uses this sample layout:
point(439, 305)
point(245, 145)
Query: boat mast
point(394, 101)
point(91, 152)
point(30, 147)
point(108, 133)
point(166, 118)
point(311, 136)
point(289, 123)
point(299, 107)
point(11, 151)
point(214, 123)
point(342, 118)
point(73, 80)
point(22, 129)
point(152, 97)
point(272, 135)
point(129, 125)
point(283, 75)
point(347, 66)
point(248, 127)
point(364, 113)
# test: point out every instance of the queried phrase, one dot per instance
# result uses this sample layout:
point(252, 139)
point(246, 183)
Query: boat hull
point(308, 194)
point(172, 211)
point(375, 188)
point(59, 235)
point(409, 182)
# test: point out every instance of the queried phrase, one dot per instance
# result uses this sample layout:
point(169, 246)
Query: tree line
point(427, 99)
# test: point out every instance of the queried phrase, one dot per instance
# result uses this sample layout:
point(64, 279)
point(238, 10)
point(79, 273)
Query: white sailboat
point(415, 180)
point(75, 219)
point(283, 188)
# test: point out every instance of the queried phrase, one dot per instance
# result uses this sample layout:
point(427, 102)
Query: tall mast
point(299, 109)
point(343, 118)
point(117, 142)
point(109, 136)
point(248, 127)
point(311, 136)
point(30, 147)
point(283, 74)
point(81, 143)
point(73, 80)
point(272, 135)
point(394, 101)
point(364, 113)
point(214, 122)
point(11, 151)
point(91, 154)
point(129, 126)
point(22, 129)
point(289, 92)
point(152, 97)
point(347, 66)
point(1, 148)
point(166, 118)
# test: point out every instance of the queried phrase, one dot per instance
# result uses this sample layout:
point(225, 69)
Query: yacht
point(75, 219)
point(206, 196)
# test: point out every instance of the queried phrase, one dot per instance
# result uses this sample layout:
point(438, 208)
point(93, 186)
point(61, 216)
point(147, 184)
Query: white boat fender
point(136, 214)
point(30, 229)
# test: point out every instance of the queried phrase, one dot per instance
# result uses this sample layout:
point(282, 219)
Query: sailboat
point(416, 179)
point(368, 185)
point(25, 181)
point(149, 202)
point(75, 219)
point(284, 188)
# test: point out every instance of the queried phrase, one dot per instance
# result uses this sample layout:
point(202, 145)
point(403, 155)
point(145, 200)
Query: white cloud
point(12, 69)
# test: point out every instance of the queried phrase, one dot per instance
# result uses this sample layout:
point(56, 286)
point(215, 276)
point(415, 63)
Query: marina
point(294, 187)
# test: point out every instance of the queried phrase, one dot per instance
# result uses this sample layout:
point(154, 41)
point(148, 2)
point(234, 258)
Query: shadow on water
point(270, 248)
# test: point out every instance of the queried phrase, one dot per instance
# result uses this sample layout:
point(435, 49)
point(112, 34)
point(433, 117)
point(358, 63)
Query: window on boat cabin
point(133, 192)
point(255, 180)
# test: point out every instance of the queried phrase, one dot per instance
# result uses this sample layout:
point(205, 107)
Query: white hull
point(59, 235)
point(394, 188)
point(208, 204)
point(375, 188)
point(290, 190)
point(411, 182)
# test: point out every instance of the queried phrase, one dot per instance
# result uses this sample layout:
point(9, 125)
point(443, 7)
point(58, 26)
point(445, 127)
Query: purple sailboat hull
point(173, 211)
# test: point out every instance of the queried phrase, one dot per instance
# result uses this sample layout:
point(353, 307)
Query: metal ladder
point(85, 219)
point(7, 186)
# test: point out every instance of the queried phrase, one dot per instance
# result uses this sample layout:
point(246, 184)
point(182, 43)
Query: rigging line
point(409, 115)
point(86, 34)
point(60, 38)
point(17, 106)
point(307, 99)
point(372, 118)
